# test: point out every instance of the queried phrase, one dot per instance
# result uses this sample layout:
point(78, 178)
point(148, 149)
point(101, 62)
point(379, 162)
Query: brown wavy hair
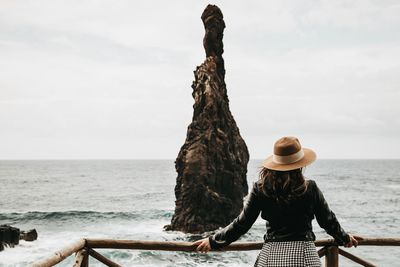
point(282, 186)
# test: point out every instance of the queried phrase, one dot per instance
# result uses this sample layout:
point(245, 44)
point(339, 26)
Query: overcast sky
point(111, 79)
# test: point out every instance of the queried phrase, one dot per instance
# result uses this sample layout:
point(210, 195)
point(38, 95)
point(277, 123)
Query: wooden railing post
point(85, 261)
point(332, 256)
point(79, 256)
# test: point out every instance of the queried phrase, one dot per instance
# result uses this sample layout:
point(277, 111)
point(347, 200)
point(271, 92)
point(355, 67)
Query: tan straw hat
point(289, 155)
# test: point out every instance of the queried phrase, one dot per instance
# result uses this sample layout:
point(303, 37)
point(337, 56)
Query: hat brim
point(309, 157)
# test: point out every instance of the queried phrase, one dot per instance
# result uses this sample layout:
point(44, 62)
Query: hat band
point(289, 158)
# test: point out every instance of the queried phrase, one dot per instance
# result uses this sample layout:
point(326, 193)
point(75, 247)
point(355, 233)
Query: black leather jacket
point(285, 222)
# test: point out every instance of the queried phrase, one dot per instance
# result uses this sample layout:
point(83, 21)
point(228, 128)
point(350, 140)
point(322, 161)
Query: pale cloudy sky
point(111, 79)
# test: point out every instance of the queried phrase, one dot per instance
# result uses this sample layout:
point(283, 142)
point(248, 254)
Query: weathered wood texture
point(212, 163)
point(367, 241)
point(85, 262)
point(103, 259)
point(79, 257)
point(355, 258)
point(188, 246)
point(322, 252)
point(61, 255)
point(332, 257)
point(162, 245)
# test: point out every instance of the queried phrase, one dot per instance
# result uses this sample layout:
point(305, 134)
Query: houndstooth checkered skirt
point(288, 254)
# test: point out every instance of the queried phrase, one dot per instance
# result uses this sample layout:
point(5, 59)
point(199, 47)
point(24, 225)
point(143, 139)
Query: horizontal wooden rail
point(188, 246)
point(163, 245)
point(367, 241)
point(89, 244)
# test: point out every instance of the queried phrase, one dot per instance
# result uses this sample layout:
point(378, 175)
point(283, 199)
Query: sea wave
point(83, 215)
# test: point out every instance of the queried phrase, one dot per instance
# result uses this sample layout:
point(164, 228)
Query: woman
point(288, 203)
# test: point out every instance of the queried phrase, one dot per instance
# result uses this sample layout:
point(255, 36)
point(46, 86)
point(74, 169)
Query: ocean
point(133, 199)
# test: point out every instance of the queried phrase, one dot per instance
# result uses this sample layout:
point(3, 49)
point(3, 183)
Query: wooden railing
point(84, 248)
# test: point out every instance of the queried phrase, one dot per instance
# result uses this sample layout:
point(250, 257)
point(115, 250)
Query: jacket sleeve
point(240, 225)
point(326, 218)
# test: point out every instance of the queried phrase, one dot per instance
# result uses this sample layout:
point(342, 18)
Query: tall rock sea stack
point(212, 163)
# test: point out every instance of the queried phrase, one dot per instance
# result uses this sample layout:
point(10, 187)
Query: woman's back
point(292, 220)
point(288, 220)
point(288, 203)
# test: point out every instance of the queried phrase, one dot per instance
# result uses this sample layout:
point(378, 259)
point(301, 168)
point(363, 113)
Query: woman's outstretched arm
point(326, 218)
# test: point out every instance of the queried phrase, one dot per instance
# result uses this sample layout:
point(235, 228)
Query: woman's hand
point(353, 241)
point(203, 245)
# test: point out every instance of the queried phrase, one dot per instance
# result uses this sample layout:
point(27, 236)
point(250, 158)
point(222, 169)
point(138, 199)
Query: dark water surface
point(67, 200)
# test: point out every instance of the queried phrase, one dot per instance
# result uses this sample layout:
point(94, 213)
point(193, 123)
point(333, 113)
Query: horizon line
point(149, 159)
